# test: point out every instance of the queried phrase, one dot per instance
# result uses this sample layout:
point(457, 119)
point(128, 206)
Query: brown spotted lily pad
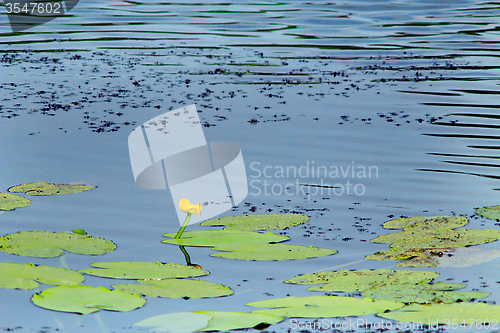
point(10, 201)
point(45, 188)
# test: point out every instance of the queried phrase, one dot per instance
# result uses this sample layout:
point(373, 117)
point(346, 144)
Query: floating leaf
point(45, 188)
point(27, 276)
point(86, 299)
point(426, 223)
point(230, 320)
point(188, 322)
point(492, 212)
point(10, 201)
point(180, 322)
point(468, 257)
point(324, 306)
point(448, 314)
point(223, 237)
point(79, 231)
point(258, 221)
point(176, 288)
point(267, 252)
point(137, 270)
point(46, 244)
point(362, 279)
point(412, 257)
point(439, 238)
point(423, 293)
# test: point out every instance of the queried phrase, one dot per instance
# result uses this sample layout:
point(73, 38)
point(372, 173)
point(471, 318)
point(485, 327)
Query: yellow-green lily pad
point(438, 292)
point(45, 188)
point(176, 288)
point(46, 244)
point(324, 306)
point(137, 270)
point(223, 238)
point(179, 322)
point(230, 320)
point(361, 279)
point(10, 201)
point(448, 314)
point(492, 212)
point(411, 257)
point(258, 221)
point(86, 299)
point(426, 223)
point(27, 276)
point(270, 252)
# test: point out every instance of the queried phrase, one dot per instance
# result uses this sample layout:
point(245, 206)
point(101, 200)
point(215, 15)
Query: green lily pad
point(176, 288)
point(46, 244)
point(86, 299)
point(412, 257)
point(45, 188)
point(427, 223)
point(137, 270)
point(492, 212)
point(467, 257)
point(27, 276)
point(362, 279)
point(324, 306)
point(223, 237)
point(438, 238)
point(231, 320)
point(179, 322)
point(268, 252)
point(196, 321)
point(258, 221)
point(447, 314)
point(10, 201)
point(423, 293)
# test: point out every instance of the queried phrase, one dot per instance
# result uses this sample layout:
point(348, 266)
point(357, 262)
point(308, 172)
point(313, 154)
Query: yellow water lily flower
point(188, 207)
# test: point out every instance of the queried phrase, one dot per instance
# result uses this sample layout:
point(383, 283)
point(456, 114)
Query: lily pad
point(176, 288)
point(142, 270)
point(423, 293)
point(46, 244)
point(223, 238)
point(10, 201)
point(324, 306)
point(492, 212)
point(179, 322)
point(362, 279)
point(27, 276)
point(467, 257)
point(427, 223)
point(230, 320)
point(196, 321)
point(258, 221)
point(269, 252)
point(447, 314)
point(412, 257)
point(86, 299)
point(45, 188)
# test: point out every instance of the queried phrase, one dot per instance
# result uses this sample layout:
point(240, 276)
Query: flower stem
point(186, 255)
point(184, 225)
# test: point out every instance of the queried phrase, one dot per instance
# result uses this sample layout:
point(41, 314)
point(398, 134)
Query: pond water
point(408, 88)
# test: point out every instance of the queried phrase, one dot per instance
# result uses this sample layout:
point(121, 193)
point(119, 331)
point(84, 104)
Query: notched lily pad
point(324, 306)
point(223, 238)
point(176, 288)
point(359, 280)
point(45, 188)
point(492, 212)
point(231, 320)
point(447, 314)
point(10, 201)
point(269, 252)
point(46, 244)
point(438, 292)
point(426, 223)
point(258, 221)
point(86, 299)
point(27, 276)
point(137, 270)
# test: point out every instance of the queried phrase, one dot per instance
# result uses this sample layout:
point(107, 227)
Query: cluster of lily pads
point(424, 240)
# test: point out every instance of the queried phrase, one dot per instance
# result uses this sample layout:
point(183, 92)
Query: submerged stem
point(184, 225)
point(186, 255)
